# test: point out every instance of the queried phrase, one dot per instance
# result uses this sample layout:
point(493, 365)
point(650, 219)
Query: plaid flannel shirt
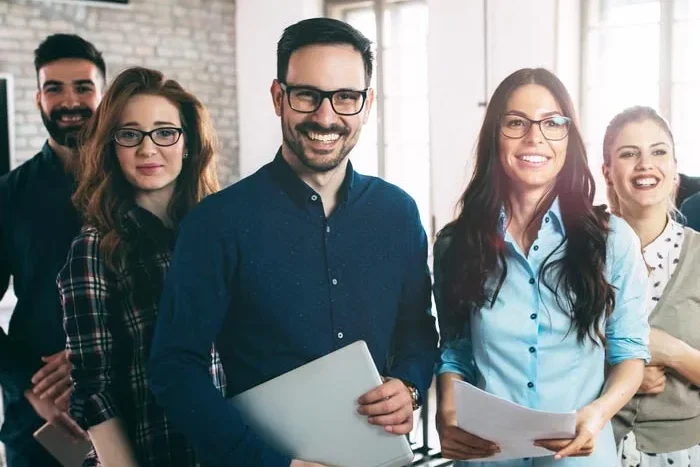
point(109, 319)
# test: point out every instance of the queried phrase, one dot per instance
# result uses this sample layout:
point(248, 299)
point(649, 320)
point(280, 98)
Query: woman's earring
point(185, 155)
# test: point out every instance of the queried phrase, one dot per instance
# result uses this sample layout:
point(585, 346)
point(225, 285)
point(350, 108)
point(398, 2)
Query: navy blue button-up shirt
point(260, 269)
point(37, 225)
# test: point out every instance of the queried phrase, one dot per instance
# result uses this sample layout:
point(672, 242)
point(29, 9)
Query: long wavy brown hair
point(103, 195)
point(476, 251)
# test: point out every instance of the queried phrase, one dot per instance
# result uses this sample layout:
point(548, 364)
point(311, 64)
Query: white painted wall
point(259, 25)
point(536, 33)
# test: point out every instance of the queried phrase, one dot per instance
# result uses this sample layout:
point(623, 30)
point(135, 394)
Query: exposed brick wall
point(192, 41)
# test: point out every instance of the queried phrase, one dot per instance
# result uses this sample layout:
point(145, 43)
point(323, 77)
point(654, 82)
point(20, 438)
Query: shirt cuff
point(620, 350)
point(93, 409)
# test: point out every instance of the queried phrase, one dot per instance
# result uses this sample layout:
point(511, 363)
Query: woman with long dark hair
point(535, 286)
point(660, 426)
point(147, 160)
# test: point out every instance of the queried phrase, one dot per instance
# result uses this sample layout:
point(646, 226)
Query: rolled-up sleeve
point(84, 285)
point(456, 355)
point(627, 329)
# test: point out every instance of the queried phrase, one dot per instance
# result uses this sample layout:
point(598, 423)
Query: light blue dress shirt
point(524, 349)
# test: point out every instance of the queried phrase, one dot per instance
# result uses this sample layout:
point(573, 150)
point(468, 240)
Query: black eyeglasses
point(306, 100)
point(553, 128)
point(131, 137)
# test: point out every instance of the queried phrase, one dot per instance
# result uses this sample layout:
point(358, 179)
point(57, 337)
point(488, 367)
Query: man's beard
point(65, 136)
point(294, 143)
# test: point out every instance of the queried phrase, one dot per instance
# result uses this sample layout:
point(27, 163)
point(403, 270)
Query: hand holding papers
point(512, 427)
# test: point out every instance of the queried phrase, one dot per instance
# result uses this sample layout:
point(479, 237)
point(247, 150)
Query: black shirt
point(37, 225)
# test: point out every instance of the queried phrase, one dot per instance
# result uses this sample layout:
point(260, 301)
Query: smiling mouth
point(646, 181)
point(533, 158)
point(322, 137)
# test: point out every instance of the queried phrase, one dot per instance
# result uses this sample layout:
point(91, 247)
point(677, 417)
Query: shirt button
point(532, 350)
point(533, 316)
point(328, 229)
point(532, 281)
point(536, 247)
point(340, 335)
point(531, 385)
point(334, 281)
point(314, 197)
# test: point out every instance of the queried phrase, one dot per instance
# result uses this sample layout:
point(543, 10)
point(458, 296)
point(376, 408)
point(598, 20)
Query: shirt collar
point(660, 247)
point(552, 216)
point(137, 220)
point(299, 191)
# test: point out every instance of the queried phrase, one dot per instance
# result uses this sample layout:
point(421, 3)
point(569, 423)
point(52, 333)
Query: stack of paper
point(511, 426)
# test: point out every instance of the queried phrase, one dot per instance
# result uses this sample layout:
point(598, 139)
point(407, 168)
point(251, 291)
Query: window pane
point(623, 57)
point(685, 120)
point(686, 10)
point(365, 155)
point(624, 13)
point(686, 51)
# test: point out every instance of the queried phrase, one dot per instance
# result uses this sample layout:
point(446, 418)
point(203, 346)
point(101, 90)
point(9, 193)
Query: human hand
point(53, 381)
point(590, 420)
point(654, 381)
point(389, 405)
point(48, 410)
point(457, 444)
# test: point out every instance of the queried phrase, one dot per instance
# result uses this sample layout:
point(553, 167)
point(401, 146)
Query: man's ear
point(277, 94)
point(368, 105)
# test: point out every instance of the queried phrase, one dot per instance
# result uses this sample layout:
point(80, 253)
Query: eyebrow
point(77, 82)
point(308, 86)
point(544, 115)
point(631, 146)
point(158, 123)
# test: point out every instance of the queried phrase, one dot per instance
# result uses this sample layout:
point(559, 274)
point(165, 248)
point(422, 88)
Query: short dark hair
point(60, 46)
point(322, 31)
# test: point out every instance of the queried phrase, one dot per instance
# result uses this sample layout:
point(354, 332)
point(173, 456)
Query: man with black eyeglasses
point(37, 225)
point(296, 261)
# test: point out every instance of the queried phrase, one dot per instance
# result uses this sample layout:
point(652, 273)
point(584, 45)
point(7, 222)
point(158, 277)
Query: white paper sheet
point(511, 426)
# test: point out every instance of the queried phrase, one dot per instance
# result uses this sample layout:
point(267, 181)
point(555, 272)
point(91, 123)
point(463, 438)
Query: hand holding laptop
point(389, 405)
point(299, 415)
point(48, 410)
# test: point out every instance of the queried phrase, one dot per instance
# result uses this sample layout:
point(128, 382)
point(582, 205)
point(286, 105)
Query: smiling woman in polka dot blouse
point(660, 426)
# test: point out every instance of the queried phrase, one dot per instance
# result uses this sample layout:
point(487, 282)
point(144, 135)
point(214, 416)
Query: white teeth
point(649, 181)
point(535, 159)
point(67, 118)
point(326, 138)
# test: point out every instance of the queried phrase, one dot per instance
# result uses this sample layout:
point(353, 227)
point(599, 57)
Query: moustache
point(82, 112)
point(317, 128)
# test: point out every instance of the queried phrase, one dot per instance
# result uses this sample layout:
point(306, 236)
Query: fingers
point(386, 390)
point(402, 428)
point(53, 365)
point(60, 377)
point(398, 417)
point(63, 399)
point(654, 386)
point(394, 414)
point(554, 445)
point(64, 421)
point(56, 389)
point(458, 444)
point(390, 405)
point(581, 445)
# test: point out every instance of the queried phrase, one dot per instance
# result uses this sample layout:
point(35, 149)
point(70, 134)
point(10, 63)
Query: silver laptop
point(67, 451)
point(310, 413)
